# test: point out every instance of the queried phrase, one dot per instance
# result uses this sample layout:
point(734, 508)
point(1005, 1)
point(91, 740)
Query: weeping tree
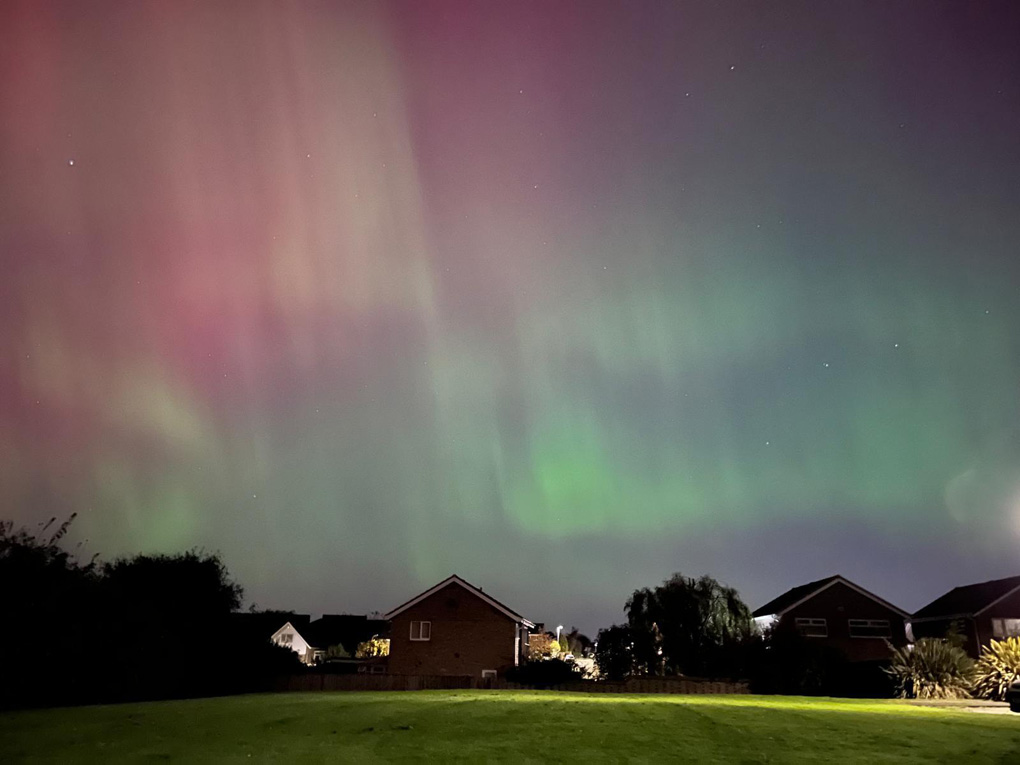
point(689, 626)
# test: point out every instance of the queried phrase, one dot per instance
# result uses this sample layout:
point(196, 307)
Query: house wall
point(298, 644)
point(468, 635)
point(838, 604)
point(1007, 608)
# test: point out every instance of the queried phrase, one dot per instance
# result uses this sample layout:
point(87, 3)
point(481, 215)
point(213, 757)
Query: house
point(981, 612)
point(842, 615)
point(454, 628)
point(289, 636)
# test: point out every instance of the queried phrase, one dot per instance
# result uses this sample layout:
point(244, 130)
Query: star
point(70, 162)
point(895, 345)
point(826, 365)
point(732, 68)
point(767, 443)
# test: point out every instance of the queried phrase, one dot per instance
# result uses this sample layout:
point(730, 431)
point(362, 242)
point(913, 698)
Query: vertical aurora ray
point(574, 293)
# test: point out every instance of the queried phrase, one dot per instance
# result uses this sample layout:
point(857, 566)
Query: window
point(286, 638)
point(378, 669)
point(421, 630)
point(812, 627)
point(1002, 628)
point(488, 673)
point(870, 628)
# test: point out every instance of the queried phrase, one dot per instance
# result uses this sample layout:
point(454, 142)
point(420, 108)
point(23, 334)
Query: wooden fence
point(362, 682)
point(647, 685)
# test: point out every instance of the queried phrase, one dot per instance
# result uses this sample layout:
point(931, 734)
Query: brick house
point(842, 615)
point(456, 629)
point(982, 612)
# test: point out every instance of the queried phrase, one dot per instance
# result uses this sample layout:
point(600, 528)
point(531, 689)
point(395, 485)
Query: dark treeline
point(144, 627)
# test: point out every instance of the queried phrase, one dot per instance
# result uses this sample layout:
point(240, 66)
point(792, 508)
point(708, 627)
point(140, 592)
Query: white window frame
point(869, 624)
point(487, 673)
point(808, 622)
point(287, 638)
point(1005, 627)
point(423, 628)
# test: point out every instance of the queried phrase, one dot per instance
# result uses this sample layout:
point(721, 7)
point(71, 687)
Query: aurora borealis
point(561, 297)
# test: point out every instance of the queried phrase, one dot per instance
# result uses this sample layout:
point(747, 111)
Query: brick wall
point(468, 635)
point(837, 605)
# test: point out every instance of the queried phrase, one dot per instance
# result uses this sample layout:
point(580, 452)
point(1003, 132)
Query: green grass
point(509, 726)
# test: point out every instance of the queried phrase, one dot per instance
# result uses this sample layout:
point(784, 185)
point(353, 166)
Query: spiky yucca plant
point(932, 668)
point(998, 668)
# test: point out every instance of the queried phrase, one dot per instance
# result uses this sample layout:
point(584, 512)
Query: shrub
point(783, 661)
point(542, 674)
point(933, 668)
point(998, 668)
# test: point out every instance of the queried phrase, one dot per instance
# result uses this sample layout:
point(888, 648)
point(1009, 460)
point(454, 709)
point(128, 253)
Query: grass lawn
point(512, 726)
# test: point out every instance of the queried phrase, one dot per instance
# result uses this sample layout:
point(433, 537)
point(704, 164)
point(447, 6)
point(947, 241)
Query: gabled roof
point(969, 600)
point(505, 610)
point(797, 595)
point(299, 632)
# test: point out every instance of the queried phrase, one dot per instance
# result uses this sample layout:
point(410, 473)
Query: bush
point(542, 674)
point(784, 662)
point(998, 668)
point(933, 668)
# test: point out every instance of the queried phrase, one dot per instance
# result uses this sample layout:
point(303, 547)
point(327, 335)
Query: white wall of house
point(289, 637)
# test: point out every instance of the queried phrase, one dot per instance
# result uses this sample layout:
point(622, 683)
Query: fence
point(647, 685)
point(363, 682)
point(314, 681)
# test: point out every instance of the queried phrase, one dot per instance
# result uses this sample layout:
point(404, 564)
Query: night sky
point(560, 297)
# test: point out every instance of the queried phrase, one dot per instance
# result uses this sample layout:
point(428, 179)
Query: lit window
point(488, 673)
point(812, 627)
point(870, 628)
point(421, 630)
point(1002, 628)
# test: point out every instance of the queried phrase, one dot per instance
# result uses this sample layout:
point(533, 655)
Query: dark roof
point(790, 598)
point(969, 599)
point(477, 591)
point(795, 595)
point(347, 630)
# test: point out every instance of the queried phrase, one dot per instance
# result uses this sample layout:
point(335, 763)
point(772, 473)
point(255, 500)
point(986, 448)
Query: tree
point(49, 592)
point(375, 646)
point(688, 626)
point(614, 652)
point(542, 645)
point(578, 643)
